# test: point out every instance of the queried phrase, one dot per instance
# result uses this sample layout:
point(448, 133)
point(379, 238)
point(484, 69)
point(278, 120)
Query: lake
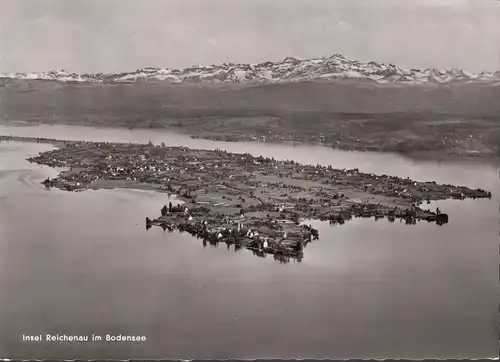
point(83, 264)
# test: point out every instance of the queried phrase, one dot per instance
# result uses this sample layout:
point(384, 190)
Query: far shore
point(407, 151)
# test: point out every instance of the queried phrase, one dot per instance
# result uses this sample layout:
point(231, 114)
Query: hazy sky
point(121, 35)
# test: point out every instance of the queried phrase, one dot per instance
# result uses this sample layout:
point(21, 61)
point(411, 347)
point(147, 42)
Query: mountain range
point(333, 68)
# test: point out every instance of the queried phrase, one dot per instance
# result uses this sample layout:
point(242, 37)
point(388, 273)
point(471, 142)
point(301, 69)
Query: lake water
point(83, 264)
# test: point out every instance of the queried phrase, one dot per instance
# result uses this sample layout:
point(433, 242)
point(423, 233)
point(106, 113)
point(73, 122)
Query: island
point(257, 203)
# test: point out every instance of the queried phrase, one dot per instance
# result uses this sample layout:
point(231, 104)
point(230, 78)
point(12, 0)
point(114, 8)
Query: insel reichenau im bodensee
point(257, 203)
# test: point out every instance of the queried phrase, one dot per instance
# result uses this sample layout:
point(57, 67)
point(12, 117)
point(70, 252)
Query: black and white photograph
point(249, 179)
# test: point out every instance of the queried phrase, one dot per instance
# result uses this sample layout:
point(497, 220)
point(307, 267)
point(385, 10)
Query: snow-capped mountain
point(336, 67)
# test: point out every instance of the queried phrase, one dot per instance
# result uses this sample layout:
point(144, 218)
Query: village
point(257, 203)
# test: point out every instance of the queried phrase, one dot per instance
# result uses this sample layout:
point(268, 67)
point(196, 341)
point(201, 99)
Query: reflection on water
point(82, 263)
point(283, 259)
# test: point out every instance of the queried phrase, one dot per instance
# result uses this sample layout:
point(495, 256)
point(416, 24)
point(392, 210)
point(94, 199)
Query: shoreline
point(431, 155)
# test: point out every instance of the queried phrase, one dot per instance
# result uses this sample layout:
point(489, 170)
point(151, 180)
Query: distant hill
point(157, 101)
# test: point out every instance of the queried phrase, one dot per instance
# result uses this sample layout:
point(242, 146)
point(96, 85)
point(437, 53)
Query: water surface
point(83, 263)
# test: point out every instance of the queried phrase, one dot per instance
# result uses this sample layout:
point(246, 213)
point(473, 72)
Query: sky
point(124, 35)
